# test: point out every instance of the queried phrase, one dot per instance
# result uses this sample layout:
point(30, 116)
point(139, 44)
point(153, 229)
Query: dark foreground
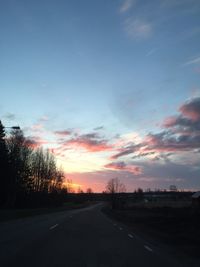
point(178, 228)
point(85, 238)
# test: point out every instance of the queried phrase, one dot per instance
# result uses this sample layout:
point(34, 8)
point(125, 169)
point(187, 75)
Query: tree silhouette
point(3, 165)
point(29, 177)
point(19, 165)
point(89, 190)
point(114, 187)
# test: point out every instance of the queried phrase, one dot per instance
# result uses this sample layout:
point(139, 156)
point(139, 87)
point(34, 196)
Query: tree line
point(28, 176)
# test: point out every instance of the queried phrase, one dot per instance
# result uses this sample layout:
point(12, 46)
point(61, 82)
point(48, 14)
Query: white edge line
point(54, 226)
point(148, 248)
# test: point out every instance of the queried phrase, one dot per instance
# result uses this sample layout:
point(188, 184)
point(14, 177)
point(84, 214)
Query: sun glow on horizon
point(73, 186)
point(82, 162)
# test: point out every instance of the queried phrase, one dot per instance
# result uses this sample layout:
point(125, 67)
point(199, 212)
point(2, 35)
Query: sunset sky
point(112, 87)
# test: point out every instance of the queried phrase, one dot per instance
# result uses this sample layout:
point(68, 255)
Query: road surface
point(80, 238)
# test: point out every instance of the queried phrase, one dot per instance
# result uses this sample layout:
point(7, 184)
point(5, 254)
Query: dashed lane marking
point(131, 236)
point(148, 248)
point(52, 227)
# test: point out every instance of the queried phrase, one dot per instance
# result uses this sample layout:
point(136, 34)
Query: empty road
point(85, 238)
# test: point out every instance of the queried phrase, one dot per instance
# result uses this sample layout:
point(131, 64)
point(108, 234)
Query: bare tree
point(59, 179)
point(89, 190)
point(115, 186)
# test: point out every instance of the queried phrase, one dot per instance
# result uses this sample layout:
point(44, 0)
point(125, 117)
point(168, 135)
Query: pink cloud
point(169, 122)
point(122, 166)
point(182, 133)
point(35, 141)
point(91, 142)
point(191, 109)
point(90, 145)
point(166, 142)
point(37, 127)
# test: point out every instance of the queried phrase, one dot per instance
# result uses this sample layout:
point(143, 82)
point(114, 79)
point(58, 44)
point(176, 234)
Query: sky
point(111, 87)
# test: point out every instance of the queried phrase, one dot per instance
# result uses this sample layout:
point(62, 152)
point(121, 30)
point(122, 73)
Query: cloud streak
point(91, 142)
point(126, 151)
point(63, 133)
point(181, 133)
point(126, 5)
point(165, 142)
point(122, 166)
point(99, 128)
point(138, 29)
point(193, 61)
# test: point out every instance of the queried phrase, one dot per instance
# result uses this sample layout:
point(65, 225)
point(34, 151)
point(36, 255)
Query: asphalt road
point(85, 238)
